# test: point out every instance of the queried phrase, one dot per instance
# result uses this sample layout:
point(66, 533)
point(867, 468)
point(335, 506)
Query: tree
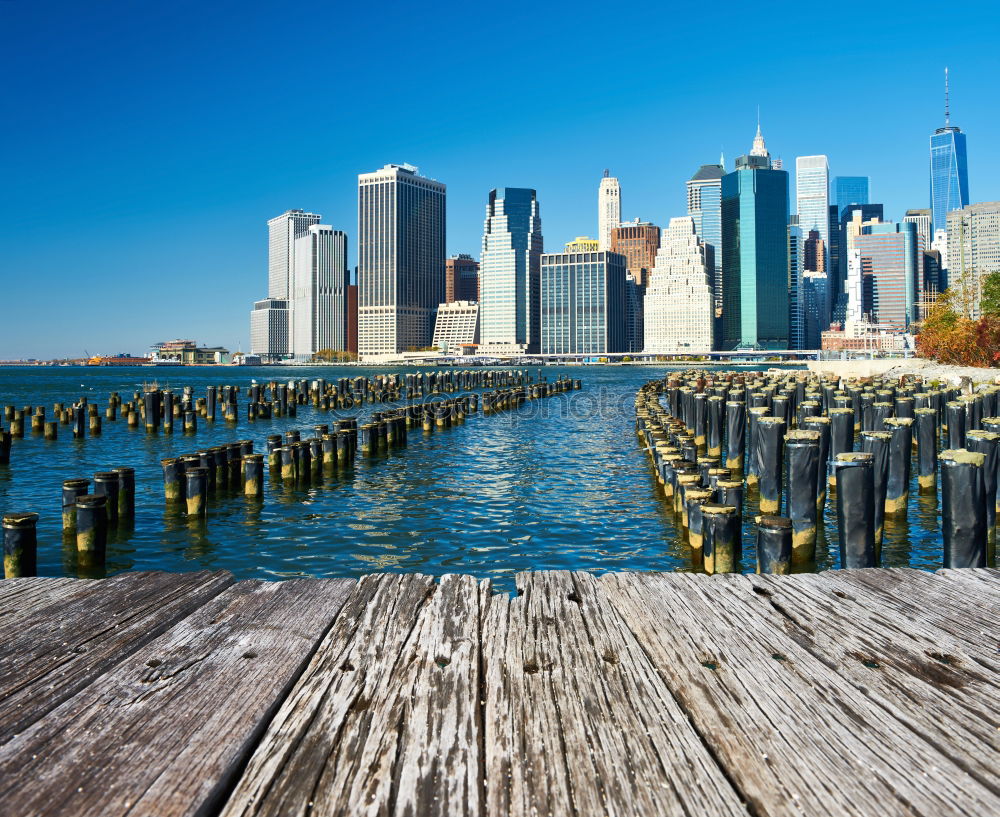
point(334, 356)
point(989, 302)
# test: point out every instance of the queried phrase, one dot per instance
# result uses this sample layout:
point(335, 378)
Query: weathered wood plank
point(20, 598)
point(385, 718)
point(167, 730)
point(67, 643)
point(931, 600)
point(578, 720)
point(922, 677)
point(795, 737)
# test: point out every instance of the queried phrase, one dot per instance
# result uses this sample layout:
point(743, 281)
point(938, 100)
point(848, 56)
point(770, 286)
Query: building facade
point(891, 257)
point(854, 216)
point(583, 303)
point(401, 255)
point(973, 251)
point(609, 209)
point(583, 243)
point(815, 309)
point(509, 272)
point(679, 311)
point(848, 190)
point(456, 327)
point(755, 253)
point(638, 241)
point(269, 330)
point(318, 315)
point(949, 168)
point(704, 205)
point(812, 203)
point(461, 279)
point(282, 233)
point(796, 304)
point(922, 218)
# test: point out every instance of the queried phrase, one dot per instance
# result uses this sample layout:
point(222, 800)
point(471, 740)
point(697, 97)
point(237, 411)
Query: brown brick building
point(638, 241)
point(461, 279)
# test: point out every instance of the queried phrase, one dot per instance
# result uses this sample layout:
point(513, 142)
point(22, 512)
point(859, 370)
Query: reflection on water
point(561, 483)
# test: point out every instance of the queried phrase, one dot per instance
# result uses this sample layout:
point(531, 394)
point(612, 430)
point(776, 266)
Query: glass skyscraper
point(509, 271)
point(755, 299)
point(949, 174)
point(812, 200)
point(704, 205)
point(848, 190)
point(583, 303)
point(891, 268)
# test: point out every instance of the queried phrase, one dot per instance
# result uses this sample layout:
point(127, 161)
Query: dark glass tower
point(949, 169)
point(755, 253)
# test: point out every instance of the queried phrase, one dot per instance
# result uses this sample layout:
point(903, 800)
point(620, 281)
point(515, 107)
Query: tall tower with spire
point(609, 209)
point(949, 167)
point(755, 266)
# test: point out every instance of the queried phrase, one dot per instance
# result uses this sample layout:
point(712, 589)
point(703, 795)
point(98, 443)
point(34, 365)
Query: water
point(559, 484)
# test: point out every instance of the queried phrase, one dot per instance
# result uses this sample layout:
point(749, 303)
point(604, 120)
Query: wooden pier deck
point(866, 692)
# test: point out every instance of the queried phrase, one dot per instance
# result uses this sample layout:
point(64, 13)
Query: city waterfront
point(561, 483)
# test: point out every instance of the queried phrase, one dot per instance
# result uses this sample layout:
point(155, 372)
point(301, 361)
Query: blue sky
point(145, 144)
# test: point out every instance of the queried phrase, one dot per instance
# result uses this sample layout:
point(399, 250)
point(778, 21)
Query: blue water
point(559, 484)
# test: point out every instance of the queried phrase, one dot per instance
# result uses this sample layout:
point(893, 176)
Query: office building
point(796, 304)
point(635, 296)
point(509, 272)
point(940, 245)
point(704, 205)
point(815, 308)
point(848, 190)
point(679, 308)
point(812, 202)
point(892, 273)
point(973, 251)
point(282, 233)
point(638, 241)
point(813, 253)
point(755, 253)
point(922, 218)
point(456, 330)
point(583, 303)
point(461, 279)
point(269, 329)
point(352, 319)
point(854, 217)
point(949, 168)
point(318, 315)
point(401, 255)
point(855, 309)
point(609, 209)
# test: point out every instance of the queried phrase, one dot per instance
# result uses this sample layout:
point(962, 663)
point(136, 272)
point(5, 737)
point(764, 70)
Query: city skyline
point(190, 220)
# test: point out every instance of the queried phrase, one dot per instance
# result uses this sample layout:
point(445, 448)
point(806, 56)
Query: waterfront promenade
point(851, 692)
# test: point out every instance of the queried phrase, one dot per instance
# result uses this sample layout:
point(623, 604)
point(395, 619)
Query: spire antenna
point(947, 107)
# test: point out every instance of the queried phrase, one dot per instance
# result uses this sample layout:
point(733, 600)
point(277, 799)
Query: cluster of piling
point(789, 438)
point(193, 481)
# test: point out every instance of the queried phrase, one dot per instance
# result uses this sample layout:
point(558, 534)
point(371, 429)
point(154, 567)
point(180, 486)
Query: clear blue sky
point(145, 144)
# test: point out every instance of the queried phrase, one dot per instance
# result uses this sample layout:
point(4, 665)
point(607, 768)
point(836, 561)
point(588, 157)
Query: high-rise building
point(461, 279)
point(352, 319)
point(638, 241)
point(854, 216)
point(635, 297)
point(940, 245)
point(814, 253)
point(282, 231)
point(583, 303)
point(509, 272)
point(854, 311)
point(892, 272)
point(269, 329)
point(704, 205)
point(922, 218)
point(755, 253)
point(812, 204)
point(973, 251)
point(609, 209)
point(320, 279)
point(848, 190)
point(949, 168)
point(815, 309)
point(679, 305)
point(583, 243)
point(796, 302)
point(401, 254)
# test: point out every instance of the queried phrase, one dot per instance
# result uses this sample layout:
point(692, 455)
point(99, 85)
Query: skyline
point(165, 174)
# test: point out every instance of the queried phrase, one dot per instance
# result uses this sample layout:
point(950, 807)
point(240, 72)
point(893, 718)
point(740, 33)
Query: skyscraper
point(509, 271)
point(461, 279)
point(755, 253)
point(583, 303)
point(949, 168)
point(812, 202)
point(891, 271)
point(638, 241)
point(401, 253)
point(704, 205)
point(973, 251)
point(270, 319)
point(796, 294)
point(850, 225)
point(319, 292)
point(922, 218)
point(848, 190)
point(609, 209)
point(679, 305)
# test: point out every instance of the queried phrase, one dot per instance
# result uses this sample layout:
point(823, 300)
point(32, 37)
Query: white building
point(855, 287)
point(401, 259)
point(973, 251)
point(679, 307)
point(510, 272)
point(318, 317)
point(282, 232)
point(269, 329)
point(457, 326)
point(812, 201)
point(609, 210)
point(922, 218)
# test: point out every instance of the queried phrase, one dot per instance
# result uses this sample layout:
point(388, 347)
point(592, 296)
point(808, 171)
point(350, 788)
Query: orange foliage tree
point(950, 335)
